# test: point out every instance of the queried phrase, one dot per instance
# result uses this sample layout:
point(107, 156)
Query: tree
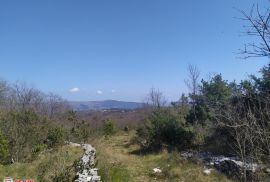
point(216, 91)
point(108, 127)
point(257, 27)
point(56, 136)
point(56, 106)
point(181, 108)
point(73, 118)
point(193, 85)
point(24, 130)
point(193, 79)
point(84, 131)
point(3, 92)
point(155, 98)
point(163, 130)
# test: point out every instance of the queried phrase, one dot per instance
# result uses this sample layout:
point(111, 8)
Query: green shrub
point(83, 131)
point(56, 136)
point(4, 150)
point(162, 129)
point(38, 148)
point(108, 127)
point(24, 130)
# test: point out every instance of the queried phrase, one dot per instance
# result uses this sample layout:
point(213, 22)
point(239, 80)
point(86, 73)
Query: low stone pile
point(86, 171)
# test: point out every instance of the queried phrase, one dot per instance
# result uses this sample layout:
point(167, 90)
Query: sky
point(118, 49)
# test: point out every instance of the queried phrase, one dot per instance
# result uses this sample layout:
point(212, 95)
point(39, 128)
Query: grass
point(48, 164)
point(119, 162)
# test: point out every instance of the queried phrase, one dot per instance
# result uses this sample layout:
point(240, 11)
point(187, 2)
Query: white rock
point(87, 173)
point(207, 171)
point(157, 170)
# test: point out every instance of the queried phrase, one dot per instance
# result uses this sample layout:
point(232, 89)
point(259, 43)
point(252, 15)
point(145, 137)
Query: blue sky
point(119, 49)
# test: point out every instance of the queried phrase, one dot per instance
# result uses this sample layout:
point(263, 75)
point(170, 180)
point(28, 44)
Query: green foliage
point(56, 136)
point(84, 131)
point(4, 149)
point(39, 148)
point(64, 176)
point(164, 130)
point(108, 127)
point(24, 130)
point(214, 93)
point(3, 89)
point(72, 117)
point(181, 109)
point(126, 129)
point(217, 91)
point(58, 166)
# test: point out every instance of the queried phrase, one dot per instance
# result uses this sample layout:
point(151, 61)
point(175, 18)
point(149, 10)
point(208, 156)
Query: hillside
point(101, 105)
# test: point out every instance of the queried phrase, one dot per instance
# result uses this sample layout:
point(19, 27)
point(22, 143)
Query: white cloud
point(113, 91)
point(75, 89)
point(99, 92)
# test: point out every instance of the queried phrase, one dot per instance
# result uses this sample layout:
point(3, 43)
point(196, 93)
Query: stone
point(207, 171)
point(85, 167)
point(157, 170)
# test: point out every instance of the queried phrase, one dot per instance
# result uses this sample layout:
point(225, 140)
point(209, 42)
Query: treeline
point(30, 122)
point(222, 117)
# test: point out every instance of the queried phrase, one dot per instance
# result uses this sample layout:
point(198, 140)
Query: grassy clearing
point(119, 161)
point(48, 164)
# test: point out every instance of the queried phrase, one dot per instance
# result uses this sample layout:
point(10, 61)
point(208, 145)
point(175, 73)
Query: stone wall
point(85, 168)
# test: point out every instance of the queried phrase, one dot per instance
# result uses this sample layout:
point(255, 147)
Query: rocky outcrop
point(231, 166)
point(85, 167)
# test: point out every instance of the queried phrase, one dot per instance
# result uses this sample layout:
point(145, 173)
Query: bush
point(162, 129)
point(108, 127)
point(4, 150)
point(23, 130)
point(56, 136)
point(38, 148)
point(83, 131)
point(56, 167)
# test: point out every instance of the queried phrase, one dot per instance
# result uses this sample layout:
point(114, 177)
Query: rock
point(207, 171)
point(231, 166)
point(267, 170)
point(85, 167)
point(187, 155)
point(236, 168)
point(74, 144)
point(157, 170)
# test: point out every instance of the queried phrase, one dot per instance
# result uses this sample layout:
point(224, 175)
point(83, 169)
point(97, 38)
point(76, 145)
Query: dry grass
point(31, 170)
point(118, 162)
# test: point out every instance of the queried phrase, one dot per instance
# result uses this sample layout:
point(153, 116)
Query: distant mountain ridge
point(106, 104)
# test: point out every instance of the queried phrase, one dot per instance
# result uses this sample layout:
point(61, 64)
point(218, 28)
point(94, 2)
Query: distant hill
point(106, 104)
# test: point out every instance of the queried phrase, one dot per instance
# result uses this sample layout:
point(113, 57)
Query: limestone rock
point(86, 171)
point(157, 170)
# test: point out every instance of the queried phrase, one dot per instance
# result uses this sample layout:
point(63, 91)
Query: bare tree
point(258, 27)
point(3, 92)
point(193, 79)
point(21, 97)
point(56, 105)
point(155, 98)
point(247, 122)
point(193, 85)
